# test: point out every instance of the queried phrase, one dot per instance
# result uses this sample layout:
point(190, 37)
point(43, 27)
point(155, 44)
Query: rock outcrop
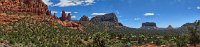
point(69, 16)
point(64, 16)
point(36, 7)
point(110, 17)
point(48, 13)
point(54, 16)
point(84, 18)
point(149, 25)
point(53, 21)
point(107, 19)
point(27, 6)
point(170, 27)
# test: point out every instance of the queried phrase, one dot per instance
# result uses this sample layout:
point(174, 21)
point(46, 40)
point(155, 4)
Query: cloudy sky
point(132, 13)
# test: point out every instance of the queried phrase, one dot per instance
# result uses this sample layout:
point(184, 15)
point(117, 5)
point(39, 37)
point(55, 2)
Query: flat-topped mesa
point(28, 6)
point(110, 17)
point(107, 19)
point(149, 25)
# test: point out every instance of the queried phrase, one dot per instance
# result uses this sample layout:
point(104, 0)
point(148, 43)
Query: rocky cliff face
point(149, 25)
point(65, 16)
point(107, 19)
point(28, 6)
point(69, 16)
point(111, 17)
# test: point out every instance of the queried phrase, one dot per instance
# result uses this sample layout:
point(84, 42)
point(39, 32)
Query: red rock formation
point(69, 17)
point(6, 19)
point(84, 18)
point(54, 16)
point(64, 16)
point(69, 24)
point(48, 13)
point(28, 6)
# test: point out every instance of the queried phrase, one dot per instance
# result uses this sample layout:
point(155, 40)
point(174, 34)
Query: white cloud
point(137, 18)
point(149, 14)
point(54, 12)
point(98, 13)
point(119, 16)
point(75, 12)
point(73, 16)
point(66, 12)
point(47, 2)
point(198, 7)
point(64, 3)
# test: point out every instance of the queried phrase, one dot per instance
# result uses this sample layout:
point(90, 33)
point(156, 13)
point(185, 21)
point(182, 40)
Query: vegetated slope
point(27, 32)
point(31, 32)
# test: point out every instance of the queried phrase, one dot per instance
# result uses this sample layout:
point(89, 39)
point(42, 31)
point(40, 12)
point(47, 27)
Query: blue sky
point(132, 13)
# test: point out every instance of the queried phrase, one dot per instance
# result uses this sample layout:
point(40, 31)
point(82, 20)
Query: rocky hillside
point(15, 10)
point(27, 6)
